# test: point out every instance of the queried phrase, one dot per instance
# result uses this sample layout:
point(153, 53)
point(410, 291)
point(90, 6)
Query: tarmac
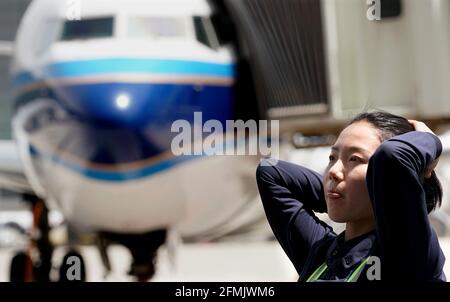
point(209, 262)
point(237, 261)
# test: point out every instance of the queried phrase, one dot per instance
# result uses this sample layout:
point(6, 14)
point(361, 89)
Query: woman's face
point(345, 176)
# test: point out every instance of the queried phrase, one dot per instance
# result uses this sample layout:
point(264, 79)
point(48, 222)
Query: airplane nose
point(134, 92)
point(120, 104)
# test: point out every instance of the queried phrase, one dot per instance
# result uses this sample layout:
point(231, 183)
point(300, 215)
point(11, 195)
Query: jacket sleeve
point(395, 185)
point(290, 193)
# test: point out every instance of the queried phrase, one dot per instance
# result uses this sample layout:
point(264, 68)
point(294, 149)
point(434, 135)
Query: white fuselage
point(93, 117)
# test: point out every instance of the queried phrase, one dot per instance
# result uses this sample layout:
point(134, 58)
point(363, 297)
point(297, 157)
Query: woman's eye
point(331, 157)
point(355, 158)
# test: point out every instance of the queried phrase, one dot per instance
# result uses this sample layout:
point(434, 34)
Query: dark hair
point(391, 125)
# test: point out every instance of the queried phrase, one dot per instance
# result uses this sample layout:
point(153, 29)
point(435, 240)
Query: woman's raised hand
point(421, 126)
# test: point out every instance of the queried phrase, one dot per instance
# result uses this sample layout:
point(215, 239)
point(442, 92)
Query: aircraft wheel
point(21, 269)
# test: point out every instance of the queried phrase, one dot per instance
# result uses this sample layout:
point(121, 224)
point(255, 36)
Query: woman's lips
point(334, 195)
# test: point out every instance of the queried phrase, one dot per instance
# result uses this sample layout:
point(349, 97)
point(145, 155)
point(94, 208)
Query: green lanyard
point(352, 278)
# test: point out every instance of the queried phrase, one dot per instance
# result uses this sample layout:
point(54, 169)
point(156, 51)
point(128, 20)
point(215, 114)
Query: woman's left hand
point(421, 126)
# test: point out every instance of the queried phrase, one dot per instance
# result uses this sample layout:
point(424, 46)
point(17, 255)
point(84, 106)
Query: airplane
point(95, 96)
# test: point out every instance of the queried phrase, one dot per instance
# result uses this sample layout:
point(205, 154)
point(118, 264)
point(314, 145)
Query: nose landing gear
point(35, 263)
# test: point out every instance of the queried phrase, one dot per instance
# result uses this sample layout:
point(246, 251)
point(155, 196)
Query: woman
point(380, 181)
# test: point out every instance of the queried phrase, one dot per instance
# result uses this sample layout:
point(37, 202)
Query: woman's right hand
point(421, 126)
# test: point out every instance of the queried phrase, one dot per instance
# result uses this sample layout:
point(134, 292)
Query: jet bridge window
point(157, 27)
point(88, 28)
point(205, 32)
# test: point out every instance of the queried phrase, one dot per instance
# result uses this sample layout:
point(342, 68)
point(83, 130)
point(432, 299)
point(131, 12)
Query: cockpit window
point(157, 27)
point(205, 32)
point(88, 28)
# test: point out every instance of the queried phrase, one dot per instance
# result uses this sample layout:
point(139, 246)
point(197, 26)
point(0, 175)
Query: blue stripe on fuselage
point(135, 66)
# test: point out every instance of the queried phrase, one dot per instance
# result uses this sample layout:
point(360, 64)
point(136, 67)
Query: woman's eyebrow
point(350, 149)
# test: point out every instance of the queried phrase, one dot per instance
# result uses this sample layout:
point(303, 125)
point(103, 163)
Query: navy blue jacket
point(404, 240)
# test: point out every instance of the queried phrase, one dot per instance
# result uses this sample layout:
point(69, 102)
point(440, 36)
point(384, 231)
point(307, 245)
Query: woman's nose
point(336, 173)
